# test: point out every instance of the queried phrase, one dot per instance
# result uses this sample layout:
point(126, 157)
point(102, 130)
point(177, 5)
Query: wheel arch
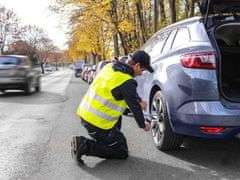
point(157, 87)
point(154, 89)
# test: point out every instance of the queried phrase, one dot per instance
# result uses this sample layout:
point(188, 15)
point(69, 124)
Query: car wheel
point(163, 136)
point(38, 87)
point(29, 88)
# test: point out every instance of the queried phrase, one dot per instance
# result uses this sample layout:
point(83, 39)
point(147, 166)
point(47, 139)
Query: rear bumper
point(12, 82)
point(188, 119)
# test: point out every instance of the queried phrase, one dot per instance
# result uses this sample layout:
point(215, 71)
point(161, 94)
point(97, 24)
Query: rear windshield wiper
point(8, 63)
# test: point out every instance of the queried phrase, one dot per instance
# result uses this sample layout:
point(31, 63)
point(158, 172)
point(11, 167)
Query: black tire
point(38, 87)
point(163, 136)
point(77, 74)
point(28, 87)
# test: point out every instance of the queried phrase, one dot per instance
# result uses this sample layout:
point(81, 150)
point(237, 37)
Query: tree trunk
point(1, 50)
point(162, 12)
point(156, 15)
point(85, 57)
point(172, 10)
point(141, 21)
point(94, 55)
point(115, 44)
point(56, 64)
point(115, 21)
point(149, 22)
point(192, 8)
point(42, 68)
point(123, 43)
point(187, 9)
point(2, 43)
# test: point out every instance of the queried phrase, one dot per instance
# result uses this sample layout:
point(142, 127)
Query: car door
point(154, 48)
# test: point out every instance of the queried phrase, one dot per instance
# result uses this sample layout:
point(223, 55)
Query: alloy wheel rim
point(158, 117)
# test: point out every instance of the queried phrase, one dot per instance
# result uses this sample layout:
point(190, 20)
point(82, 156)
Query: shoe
point(78, 148)
point(73, 148)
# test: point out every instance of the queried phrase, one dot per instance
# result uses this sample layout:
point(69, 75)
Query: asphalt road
point(35, 134)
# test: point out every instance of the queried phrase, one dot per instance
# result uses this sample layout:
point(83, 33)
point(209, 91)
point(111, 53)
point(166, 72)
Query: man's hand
point(147, 126)
point(143, 104)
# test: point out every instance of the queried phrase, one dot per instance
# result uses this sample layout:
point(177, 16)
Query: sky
point(35, 12)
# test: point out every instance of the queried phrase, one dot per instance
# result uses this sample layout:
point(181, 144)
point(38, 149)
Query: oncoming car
point(194, 90)
point(19, 72)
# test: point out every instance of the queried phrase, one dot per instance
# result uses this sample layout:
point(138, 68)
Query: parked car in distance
point(194, 90)
point(91, 74)
point(99, 66)
point(18, 72)
point(49, 68)
point(78, 67)
point(85, 70)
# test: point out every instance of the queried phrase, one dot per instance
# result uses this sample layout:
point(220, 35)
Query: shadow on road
point(140, 169)
point(220, 156)
point(42, 97)
point(205, 159)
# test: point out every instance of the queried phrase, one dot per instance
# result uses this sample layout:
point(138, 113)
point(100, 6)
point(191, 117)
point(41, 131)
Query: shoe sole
point(80, 162)
point(73, 147)
point(74, 150)
point(73, 154)
point(74, 143)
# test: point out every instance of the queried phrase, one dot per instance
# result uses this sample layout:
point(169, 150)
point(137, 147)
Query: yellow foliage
point(96, 23)
point(126, 26)
point(91, 35)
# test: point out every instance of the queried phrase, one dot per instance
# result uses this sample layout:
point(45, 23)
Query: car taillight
point(212, 130)
point(201, 60)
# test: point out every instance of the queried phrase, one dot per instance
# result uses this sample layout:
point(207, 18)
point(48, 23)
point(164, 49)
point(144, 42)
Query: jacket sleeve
point(128, 91)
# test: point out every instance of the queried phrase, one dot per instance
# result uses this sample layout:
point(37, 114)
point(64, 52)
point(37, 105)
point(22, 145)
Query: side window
point(158, 44)
point(26, 62)
point(181, 38)
point(148, 47)
point(169, 42)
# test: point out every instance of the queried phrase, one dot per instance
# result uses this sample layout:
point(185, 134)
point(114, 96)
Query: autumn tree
point(39, 44)
point(44, 50)
point(111, 14)
point(56, 57)
point(124, 24)
point(19, 47)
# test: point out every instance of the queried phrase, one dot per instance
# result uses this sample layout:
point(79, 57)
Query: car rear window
point(181, 38)
point(9, 60)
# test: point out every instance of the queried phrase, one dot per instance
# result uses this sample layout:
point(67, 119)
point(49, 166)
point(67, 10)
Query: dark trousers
point(108, 144)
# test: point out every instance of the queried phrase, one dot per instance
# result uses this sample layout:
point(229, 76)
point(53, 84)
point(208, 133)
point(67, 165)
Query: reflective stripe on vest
point(93, 95)
point(98, 106)
point(98, 113)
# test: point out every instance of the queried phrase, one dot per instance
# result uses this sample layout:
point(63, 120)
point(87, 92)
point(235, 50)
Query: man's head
point(140, 61)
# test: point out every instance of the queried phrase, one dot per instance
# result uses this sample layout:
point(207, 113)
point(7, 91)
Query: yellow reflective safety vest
point(98, 107)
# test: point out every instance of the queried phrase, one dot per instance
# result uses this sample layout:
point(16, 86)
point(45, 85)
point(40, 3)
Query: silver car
point(19, 72)
point(195, 87)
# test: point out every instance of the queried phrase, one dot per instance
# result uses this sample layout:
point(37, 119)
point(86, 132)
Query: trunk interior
point(228, 40)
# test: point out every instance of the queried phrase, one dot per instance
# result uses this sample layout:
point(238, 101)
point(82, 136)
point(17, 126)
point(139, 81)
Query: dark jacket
point(128, 91)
